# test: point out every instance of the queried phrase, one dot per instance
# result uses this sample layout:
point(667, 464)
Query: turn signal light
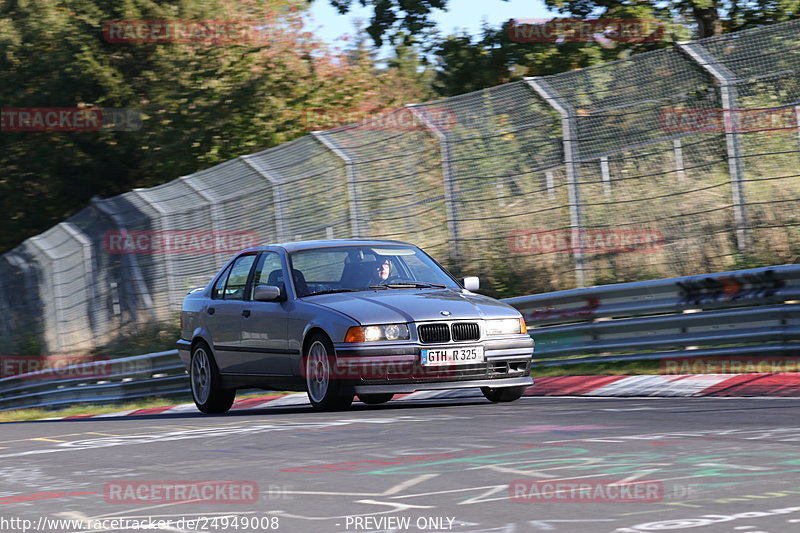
point(523, 327)
point(354, 334)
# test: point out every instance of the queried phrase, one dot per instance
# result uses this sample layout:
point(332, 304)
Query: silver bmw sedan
point(340, 318)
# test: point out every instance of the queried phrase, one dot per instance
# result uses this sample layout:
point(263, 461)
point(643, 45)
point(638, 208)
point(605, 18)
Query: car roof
point(325, 243)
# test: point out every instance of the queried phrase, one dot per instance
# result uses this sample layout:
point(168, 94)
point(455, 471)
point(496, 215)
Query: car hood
point(413, 305)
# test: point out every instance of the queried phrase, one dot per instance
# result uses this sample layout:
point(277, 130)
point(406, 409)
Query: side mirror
point(471, 283)
point(266, 293)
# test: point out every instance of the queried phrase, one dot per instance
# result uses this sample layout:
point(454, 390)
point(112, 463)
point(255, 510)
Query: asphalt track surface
point(539, 464)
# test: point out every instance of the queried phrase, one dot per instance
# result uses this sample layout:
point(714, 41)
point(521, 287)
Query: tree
point(708, 17)
point(201, 103)
point(395, 17)
point(466, 64)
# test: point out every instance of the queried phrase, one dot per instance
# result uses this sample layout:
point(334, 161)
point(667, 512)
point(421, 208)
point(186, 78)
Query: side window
point(269, 271)
point(234, 289)
point(218, 291)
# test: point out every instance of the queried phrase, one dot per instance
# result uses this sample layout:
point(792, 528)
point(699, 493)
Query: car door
point(224, 314)
point(265, 345)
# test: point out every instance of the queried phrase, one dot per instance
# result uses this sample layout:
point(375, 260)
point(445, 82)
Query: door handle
point(210, 310)
point(246, 313)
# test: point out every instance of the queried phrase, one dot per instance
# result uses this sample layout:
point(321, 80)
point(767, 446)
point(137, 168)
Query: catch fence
point(668, 163)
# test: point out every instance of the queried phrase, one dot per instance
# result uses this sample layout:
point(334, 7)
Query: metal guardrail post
point(352, 183)
point(174, 295)
point(451, 210)
point(219, 259)
point(282, 230)
point(130, 261)
point(53, 333)
point(727, 87)
point(567, 113)
point(88, 269)
point(680, 168)
point(213, 206)
point(605, 173)
point(31, 284)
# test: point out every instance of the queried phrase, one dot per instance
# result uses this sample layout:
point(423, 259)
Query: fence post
point(174, 297)
point(213, 208)
point(797, 120)
point(88, 277)
point(31, 289)
point(451, 210)
point(132, 264)
point(567, 113)
point(550, 184)
point(605, 173)
point(281, 224)
point(727, 87)
point(680, 168)
point(352, 184)
point(53, 333)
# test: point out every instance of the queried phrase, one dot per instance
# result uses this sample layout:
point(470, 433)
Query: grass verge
point(22, 415)
point(621, 368)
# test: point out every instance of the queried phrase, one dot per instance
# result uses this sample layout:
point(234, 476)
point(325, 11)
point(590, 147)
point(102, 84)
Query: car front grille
point(461, 331)
point(434, 333)
point(466, 331)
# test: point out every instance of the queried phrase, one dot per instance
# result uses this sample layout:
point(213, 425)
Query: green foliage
point(467, 64)
point(202, 103)
point(395, 17)
point(138, 339)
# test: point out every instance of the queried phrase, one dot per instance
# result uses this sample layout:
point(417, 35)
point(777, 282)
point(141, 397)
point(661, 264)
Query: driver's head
point(382, 268)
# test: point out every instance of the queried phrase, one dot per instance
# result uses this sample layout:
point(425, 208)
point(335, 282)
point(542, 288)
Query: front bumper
point(507, 360)
point(402, 388)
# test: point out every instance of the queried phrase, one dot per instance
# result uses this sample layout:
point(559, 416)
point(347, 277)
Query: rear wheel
point(375, 399)
point(323, 389)
point(503, 394)
point(206, 383)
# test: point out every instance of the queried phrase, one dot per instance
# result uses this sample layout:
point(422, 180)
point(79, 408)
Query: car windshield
point(361, 267)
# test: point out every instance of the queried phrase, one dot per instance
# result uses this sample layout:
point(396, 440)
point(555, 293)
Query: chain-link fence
point(674, 162)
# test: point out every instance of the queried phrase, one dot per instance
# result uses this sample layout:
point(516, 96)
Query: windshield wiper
point(411, 285)
point(331, 291)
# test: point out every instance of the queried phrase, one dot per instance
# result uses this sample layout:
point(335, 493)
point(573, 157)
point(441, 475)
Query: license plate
point(463, 355)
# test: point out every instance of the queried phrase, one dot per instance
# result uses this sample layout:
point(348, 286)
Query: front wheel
point(206, 383)
point(323, 389)
point(375, 399)
point(503, 394)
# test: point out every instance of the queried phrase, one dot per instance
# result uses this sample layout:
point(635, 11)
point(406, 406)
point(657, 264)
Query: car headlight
point(386, 332)
point(506, 326)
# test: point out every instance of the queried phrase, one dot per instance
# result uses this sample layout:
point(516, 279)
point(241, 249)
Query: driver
point(381, 271)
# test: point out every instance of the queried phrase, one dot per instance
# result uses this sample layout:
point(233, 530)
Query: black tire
point(503, 394)
point(324, 392)
point(375, 399)
point(206, 383)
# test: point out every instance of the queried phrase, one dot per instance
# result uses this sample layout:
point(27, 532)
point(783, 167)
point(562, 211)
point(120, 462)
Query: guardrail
point(105, 381)
point(739, 313)
point(744, 312)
